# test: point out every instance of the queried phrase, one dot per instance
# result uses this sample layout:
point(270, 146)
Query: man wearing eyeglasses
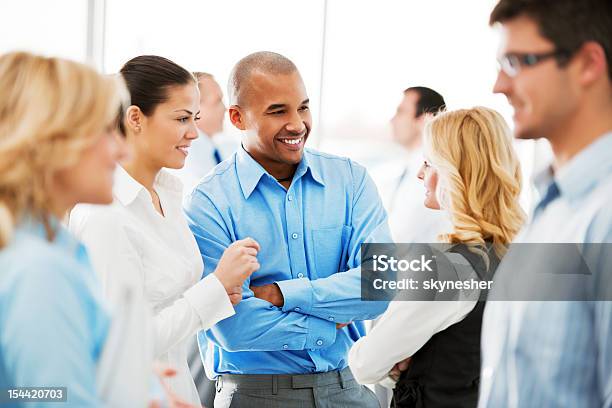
point(556, 72)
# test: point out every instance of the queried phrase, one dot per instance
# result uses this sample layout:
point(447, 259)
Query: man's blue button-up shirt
point(310, 236)
point(557, 353)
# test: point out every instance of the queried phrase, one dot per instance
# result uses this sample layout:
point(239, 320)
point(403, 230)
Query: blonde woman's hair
point(51, 109)
point(479, 177)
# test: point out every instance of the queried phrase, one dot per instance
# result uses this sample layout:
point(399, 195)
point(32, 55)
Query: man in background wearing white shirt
point(212, 146)
point(403, 194)
point(409, 219)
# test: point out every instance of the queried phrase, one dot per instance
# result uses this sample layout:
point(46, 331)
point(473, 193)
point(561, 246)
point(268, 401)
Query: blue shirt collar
point(250, 172)
point(309, 166)
point(583, 172)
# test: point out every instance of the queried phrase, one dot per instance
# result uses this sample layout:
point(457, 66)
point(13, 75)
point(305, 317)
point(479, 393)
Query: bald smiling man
point(287, 344)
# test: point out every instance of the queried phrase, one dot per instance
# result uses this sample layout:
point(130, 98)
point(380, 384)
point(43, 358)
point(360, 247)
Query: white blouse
point(132, 245)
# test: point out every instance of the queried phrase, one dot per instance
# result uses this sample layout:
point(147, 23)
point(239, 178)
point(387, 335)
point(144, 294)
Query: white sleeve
point(399, 333)
point(118, 263)
point(201, 307)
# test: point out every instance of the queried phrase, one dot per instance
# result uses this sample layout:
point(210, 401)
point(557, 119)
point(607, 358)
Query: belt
point(274, 382)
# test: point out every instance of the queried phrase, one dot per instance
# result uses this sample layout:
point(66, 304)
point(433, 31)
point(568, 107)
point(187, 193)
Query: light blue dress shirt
point(310, 237)
point(52, 317)
point(555, 353)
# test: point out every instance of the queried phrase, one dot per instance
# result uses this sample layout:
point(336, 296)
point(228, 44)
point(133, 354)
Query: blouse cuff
point(210, 301)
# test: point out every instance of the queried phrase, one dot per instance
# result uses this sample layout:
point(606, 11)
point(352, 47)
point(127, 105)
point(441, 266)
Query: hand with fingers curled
point(399, 367)
point(236, 265)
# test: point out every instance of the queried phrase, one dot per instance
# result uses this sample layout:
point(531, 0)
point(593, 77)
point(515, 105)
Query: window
point(54, 28)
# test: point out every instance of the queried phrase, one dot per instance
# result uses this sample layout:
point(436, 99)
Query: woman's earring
point(137, 128)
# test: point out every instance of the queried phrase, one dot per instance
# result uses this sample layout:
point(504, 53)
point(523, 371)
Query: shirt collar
point(583, 172)
point(168, 181)
point(126, 188)
point(309, 166)
point(250, 172)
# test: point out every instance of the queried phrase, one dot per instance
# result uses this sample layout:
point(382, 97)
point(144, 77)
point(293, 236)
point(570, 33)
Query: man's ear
point(134, 118)
point(593, 63)
point(236, 117)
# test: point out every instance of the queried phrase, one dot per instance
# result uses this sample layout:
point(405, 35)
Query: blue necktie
point(217, 155)
point(552, 193)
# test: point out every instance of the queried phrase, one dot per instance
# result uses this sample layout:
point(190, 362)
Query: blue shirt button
point(297, 309)
point(290, 197)
point(294, 235)
point(319, 342)
point(285, 346)
point(330, 318)
point(300, 275)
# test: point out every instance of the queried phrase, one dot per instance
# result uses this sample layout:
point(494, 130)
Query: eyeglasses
point(512, 63)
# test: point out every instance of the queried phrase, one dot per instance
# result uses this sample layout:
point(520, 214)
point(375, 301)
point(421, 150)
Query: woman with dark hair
point(141, 243)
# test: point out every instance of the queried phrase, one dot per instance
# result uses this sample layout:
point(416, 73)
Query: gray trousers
point(323, 390)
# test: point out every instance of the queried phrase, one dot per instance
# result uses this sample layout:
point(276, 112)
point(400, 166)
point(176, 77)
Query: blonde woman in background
point(141, 243)
point(430, 351)
point(58, 147)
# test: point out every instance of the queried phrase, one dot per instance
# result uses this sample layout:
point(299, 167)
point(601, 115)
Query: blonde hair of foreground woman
point(51, 110)
point(479, 177)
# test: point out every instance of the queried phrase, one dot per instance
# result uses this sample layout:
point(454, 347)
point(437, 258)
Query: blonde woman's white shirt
point(131, 245)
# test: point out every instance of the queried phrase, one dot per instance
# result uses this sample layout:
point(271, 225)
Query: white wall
point(372, 50)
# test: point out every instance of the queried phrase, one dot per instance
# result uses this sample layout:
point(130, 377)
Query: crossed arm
point(338, 296)
point(294, 314)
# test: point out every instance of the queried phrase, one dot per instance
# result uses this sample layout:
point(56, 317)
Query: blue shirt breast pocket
point(331, 250)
